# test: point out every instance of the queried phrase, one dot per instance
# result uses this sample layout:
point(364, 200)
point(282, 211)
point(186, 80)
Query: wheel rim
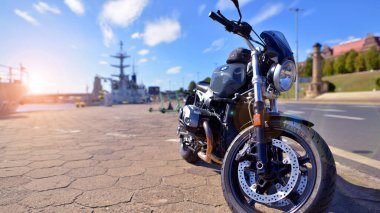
point(298, 194)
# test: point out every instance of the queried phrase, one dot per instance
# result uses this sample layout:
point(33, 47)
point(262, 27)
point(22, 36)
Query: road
point(125, 159)
point(348, 127)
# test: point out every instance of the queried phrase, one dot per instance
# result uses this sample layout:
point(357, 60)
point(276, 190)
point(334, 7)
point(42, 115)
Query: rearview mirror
point(236, 3)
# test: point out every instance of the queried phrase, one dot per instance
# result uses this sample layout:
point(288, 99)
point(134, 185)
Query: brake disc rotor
point(248, 181)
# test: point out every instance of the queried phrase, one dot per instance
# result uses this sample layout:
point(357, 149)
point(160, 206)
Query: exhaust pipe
point(208, 156)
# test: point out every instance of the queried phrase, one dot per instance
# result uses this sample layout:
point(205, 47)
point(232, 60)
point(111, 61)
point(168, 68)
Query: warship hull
point(10, 96)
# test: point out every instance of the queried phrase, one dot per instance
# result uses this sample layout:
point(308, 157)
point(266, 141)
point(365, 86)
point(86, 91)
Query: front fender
point(278, 116)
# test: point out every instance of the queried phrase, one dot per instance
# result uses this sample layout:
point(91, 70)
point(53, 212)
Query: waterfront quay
point(121, 159)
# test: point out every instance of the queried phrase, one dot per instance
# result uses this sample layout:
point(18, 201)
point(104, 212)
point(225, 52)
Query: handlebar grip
point(219, 19)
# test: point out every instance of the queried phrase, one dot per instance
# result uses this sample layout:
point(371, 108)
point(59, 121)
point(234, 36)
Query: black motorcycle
point(270, 161)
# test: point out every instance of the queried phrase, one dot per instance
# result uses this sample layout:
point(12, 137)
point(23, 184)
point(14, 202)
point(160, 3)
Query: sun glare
point(36, 84)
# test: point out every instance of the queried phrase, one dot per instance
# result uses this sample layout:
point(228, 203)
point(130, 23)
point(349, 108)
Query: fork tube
point(273, 105)
point(258, 118)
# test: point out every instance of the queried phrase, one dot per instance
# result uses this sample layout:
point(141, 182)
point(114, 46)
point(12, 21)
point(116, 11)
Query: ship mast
point(121, 56)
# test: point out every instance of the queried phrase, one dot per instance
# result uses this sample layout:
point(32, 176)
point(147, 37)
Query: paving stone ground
point(118, 159)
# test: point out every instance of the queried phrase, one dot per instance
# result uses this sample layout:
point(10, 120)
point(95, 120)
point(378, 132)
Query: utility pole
point(296, 10)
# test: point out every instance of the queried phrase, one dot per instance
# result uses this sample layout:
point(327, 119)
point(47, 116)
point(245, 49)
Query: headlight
point(284, 75)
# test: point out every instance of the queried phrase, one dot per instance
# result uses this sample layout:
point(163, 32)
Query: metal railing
point(10, 74)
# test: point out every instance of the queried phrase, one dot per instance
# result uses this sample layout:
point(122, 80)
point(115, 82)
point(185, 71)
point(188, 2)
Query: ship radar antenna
point(121, 46)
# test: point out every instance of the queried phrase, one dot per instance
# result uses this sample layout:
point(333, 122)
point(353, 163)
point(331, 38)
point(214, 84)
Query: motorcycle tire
point(319, 196)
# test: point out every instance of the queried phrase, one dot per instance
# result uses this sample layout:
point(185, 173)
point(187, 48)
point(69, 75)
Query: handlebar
point(225, 22)
point(243, 29)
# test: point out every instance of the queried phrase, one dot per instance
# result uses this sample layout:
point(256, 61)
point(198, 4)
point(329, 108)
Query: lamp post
point(296, 10)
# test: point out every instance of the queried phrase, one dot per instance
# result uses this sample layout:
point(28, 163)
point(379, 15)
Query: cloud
point(143, 60)
point(157, 82)
point(76, 6)
point(136, 35)
point(24, 15)
point(103, 62)
point(228, 5)
point(343, 41)
point(164, 30)
point(122, 12)
point(215, 45)
point(201, 8)
point(143, 52)
point(308, 12)
point(267, 12)
point(119, 13)
point(174, 70)
point(108, 35)
point(350, 39)
point(74, 47)
point(43, 7)
point(294, 3)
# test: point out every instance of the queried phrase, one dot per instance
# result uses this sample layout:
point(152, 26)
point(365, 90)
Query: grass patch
point(354, 82)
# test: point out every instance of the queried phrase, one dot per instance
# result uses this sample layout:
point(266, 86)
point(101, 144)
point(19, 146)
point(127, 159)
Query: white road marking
point(173, 140)
point(325, 110)
point(68, 131)
point(344, 117)
point(294, 112)
point(115, 134)
point(365, 106)
point(355, 157)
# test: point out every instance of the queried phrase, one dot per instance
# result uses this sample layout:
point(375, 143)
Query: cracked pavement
point(119, 159)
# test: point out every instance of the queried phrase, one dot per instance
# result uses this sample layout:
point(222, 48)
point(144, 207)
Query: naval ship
point(12, 88)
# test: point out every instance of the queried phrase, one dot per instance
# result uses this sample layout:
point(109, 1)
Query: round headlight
point(284, 75)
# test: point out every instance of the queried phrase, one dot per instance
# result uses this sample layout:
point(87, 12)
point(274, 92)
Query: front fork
point(262, 145)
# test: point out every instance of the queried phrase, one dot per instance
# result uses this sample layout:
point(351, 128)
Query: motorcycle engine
point(191, 116)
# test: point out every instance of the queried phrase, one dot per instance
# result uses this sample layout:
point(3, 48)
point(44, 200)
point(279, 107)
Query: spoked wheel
point(303, 172)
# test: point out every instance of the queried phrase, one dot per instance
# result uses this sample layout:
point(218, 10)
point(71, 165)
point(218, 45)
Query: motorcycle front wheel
point(304, 172)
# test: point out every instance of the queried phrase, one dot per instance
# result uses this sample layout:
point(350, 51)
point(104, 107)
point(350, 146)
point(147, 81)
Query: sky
point(65, 43)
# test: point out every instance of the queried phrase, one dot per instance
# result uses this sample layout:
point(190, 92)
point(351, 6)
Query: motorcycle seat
point(203, 86)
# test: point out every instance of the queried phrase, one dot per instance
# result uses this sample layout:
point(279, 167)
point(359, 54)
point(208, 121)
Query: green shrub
point(331, 87)
point(378, 83)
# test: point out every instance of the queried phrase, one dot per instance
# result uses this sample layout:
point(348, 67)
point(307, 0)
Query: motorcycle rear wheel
point(318, 195)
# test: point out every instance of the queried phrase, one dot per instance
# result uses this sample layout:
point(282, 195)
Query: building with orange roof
point(360, 45)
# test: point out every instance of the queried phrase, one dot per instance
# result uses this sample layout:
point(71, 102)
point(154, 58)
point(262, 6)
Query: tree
point(307, 69)
point(191, 86)
point(328, 67)
point(208, 80)
point(339, 64)
point(349, 64)
point(371, 58)
point(360, 63)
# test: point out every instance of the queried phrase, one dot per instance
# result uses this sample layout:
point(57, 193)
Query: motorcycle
point(270, 161)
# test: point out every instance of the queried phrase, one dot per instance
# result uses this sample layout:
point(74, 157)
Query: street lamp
point(296, 10)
